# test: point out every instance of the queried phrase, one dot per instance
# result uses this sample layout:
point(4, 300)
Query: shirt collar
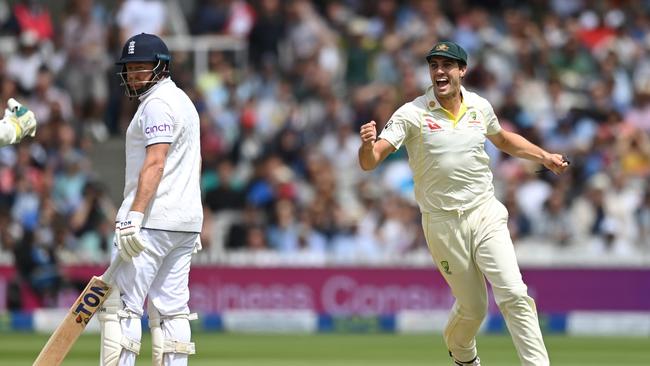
point(162, 82)
point(432, 101)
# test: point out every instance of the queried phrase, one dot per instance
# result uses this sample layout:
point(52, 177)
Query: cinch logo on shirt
point(159, 128)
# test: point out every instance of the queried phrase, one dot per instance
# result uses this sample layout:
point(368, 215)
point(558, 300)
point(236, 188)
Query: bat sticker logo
point(90, 300)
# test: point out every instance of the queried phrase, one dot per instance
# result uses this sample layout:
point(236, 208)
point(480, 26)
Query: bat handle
point(108, 275)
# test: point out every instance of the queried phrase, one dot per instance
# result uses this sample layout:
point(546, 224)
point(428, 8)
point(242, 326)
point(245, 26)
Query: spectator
point(555, 224)
point(621, 200)
point(47, 96)
point(141, 16)
point(283, 233)
point(240, 20)
point(38, 265)
point(633, 150)
point(93, 223)
point(23, 66)
point(255, 239)
point(266, 34)
point(69, 183)
point(210, 17)
point(247, 233)
point(227, 192)
point(360, 52)
point(588, 210)
point(33, 16)
point(85, 43)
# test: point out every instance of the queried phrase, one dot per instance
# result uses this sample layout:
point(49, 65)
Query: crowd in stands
point(280, 131)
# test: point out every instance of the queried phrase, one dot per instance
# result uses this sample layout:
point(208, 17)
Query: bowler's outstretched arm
point(516, 145)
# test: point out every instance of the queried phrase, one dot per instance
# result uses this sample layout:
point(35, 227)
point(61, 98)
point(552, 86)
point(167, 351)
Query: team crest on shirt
point(474, 122)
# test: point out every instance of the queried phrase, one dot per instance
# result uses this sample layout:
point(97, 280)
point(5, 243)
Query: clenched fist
point(368, 133)
point(556, 163)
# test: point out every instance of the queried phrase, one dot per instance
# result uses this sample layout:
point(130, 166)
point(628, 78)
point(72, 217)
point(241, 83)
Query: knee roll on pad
point(112, 338)
point(159, 343)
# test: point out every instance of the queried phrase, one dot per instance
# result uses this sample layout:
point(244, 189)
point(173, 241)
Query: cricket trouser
point(160, 272)
point(468, 247)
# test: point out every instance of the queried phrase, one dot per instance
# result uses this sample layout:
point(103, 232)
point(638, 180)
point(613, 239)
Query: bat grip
point(108, 275)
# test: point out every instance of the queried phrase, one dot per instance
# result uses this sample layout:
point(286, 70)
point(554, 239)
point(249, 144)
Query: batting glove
point(22, 118)
point(129, 241)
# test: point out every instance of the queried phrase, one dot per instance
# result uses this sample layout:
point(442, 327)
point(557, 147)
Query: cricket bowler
point(465, 226)
point(159, 221)
point(17, 123)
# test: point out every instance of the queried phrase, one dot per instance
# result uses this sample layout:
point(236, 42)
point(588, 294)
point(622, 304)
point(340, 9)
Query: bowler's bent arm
point(370, 155)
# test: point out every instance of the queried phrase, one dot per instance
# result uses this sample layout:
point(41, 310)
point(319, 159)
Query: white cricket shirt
point(166, 115)
point(447, 156)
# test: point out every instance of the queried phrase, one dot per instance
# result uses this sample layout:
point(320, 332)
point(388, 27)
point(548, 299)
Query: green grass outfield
point(18, 349)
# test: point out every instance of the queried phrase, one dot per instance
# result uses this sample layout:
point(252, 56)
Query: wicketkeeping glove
point(22, 118)
point(129, 241)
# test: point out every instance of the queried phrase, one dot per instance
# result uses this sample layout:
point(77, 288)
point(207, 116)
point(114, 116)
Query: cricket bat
point(83, 309)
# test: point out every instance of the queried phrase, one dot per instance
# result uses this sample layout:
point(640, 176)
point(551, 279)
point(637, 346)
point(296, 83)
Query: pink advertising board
point(373, 291)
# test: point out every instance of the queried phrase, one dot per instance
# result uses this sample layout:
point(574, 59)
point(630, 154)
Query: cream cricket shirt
point(448, 159)
point(166, 115)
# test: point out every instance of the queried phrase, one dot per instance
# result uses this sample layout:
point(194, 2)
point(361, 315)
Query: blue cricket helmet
point(144, 47)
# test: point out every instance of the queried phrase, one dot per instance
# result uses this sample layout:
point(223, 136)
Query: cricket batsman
point(465, 226)
point(159, 221)
point(17, 123)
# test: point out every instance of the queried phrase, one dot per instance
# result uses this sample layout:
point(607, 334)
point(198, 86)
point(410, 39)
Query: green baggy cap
point(450, 50)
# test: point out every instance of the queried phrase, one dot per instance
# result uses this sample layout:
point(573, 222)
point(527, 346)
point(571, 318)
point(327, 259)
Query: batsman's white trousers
point(160, 272)
point(468, 247)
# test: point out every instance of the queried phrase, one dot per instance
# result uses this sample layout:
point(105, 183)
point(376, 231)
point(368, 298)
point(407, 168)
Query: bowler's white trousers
point(162, 273)
point(468, 247)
